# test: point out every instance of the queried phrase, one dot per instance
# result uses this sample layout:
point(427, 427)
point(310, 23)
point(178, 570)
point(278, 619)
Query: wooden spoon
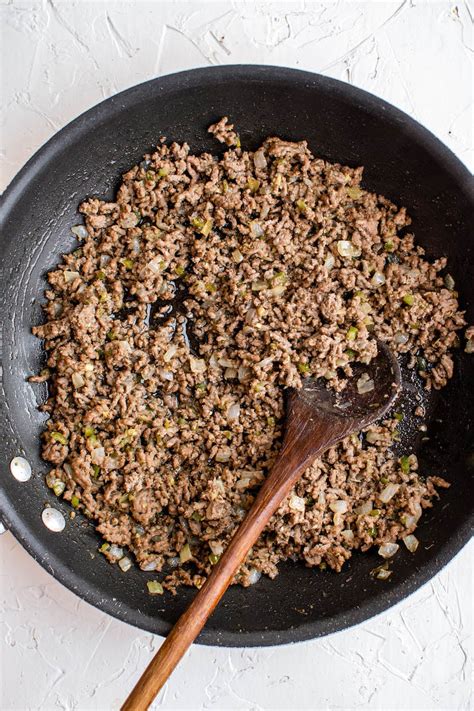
point(317, 418)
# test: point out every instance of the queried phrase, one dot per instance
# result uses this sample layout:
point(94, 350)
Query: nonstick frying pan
point(342, 124)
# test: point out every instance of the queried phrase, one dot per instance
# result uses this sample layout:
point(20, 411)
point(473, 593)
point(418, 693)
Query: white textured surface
point(60, 58)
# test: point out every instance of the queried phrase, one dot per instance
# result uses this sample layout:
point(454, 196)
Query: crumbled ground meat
point(203, 291)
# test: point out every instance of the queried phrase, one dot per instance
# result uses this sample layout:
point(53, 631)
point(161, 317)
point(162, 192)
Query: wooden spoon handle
point(278, 484)
point(303, 442)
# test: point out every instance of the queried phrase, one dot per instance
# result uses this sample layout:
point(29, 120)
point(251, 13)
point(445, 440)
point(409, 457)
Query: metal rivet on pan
point(53, 519)
point(20, 468)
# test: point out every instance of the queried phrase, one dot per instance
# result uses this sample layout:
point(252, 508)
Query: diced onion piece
point(277, 290)
point(372, 437)
point(329, 262)
point(259, 285)
point(80, 231)
point(70, 276)
point(185, 553)
point(383, 574)
point(296, 503)
point(77, 380)
point(243, 483)
point(259, 159)
point(155, 265)
point(219, 485)
point(98, 455)
point(243, 373)
point(233, 413)
point(389, 492)
point(254, 576)
point(250, 315)
point(226, 362)
point(115, 551)
point(401, 338)
point(378, 279)
point(339, 506)
point(223, 454)
point(354, 192)
point(256, 229)
point(148, 567)
point(364, 508)
point(347, 534)
point(216, 547)
point(411, 542)
point(365, 384)
point(154, 587)
point(58, 487)
point(347, 249)
point(170, 353)
point(388, 550)
point(230, 373)
point(237, 256)
point(125, 564)
point(197, 365)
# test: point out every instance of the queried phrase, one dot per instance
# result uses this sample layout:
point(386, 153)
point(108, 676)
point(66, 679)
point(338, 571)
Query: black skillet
point(402, 161)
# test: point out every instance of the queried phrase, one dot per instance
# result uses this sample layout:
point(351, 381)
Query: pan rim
point(137, 94)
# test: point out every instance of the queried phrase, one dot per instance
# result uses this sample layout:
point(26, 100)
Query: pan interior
point(341, 124)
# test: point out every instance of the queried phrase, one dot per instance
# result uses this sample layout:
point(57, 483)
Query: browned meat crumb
point(202, 291)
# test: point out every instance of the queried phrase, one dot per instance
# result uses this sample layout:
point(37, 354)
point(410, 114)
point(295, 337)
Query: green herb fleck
point(127, 263)
point(421, 363)
point(154, 587)
point(253, 185)
point(351, 334)
point(303, 368)
point(405, 464)
point(354, 192)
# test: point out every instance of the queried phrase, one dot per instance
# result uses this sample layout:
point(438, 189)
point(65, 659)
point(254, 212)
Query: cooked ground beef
point(207, 287)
